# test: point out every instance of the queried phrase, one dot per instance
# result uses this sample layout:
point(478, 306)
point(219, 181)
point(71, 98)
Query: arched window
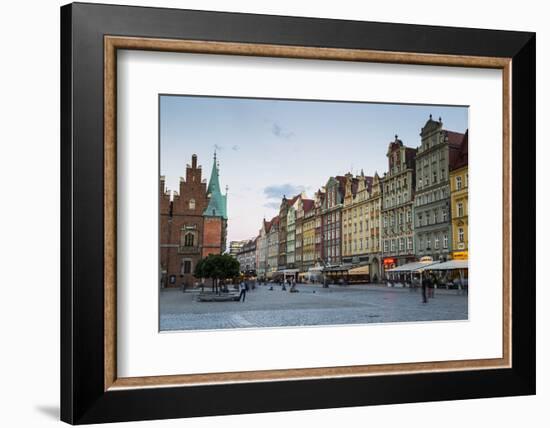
point(189, 239)
point(191, 204)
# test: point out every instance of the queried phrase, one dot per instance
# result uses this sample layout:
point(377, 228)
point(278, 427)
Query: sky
point(268, 148)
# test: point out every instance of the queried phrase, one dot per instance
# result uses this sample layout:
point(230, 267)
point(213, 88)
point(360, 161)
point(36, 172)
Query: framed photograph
point(291, 213)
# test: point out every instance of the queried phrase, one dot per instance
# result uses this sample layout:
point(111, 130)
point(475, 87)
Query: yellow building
point(361, 222)
point(308, 237)
point(458, 177)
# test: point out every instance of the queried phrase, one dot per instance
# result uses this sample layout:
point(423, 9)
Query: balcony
point(188, 250)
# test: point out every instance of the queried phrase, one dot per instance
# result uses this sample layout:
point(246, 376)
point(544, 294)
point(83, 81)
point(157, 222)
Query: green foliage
point(199, 269)
point(217, 266)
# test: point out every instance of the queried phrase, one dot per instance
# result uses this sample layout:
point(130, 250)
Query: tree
point(217, 267)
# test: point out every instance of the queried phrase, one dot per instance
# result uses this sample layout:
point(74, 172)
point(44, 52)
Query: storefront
point(359, 275)
point(460, 255)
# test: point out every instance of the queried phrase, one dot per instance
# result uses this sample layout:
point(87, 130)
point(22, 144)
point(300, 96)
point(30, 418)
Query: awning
point(336, 268)
point(360, 270)
point(450, 265)
point(413, 267)
point(286, 272)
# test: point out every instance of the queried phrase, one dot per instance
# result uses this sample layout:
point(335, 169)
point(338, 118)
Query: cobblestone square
point(311, 306)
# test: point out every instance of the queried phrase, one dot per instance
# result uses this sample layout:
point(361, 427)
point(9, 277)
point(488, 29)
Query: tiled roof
point(460, 158)
point(454, 138)
point(308, 204)
point(368, 182)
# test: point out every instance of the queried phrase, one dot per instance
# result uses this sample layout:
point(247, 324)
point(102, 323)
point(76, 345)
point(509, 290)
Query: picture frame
point(91, 391)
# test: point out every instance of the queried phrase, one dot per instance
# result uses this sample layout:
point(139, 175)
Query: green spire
point(217, 203)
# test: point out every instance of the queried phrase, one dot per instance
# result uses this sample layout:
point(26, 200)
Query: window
point(401, 244)
point(428, 243)
point(436, 242)
point(189, 239)
point(458, 182)
point(435, 216)
point(192, 203)
point(408, 216)
point(434, 176)
point(400, 218)
point(186, 266)
point(460, 209)
point(444, 212)
point(392, 245)
point(409, 243)
point(445, 241)
point(460, 234)
point(385, 246)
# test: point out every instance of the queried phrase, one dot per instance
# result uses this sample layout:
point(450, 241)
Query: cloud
point(235, 148)
point(218, 148)
point(280, 132)
point(279, 190)
point(274, 205)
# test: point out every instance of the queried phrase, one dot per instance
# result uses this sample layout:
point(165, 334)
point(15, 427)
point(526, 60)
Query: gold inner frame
point(112, 43)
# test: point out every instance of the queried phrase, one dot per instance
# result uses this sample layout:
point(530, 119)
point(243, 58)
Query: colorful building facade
point(308, 235)
point(398, 187)
point(331, 220)
point(459, 201)
point(272, 247)
point(433, 198)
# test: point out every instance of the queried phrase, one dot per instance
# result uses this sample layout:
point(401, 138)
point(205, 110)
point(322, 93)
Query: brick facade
point(186, 235)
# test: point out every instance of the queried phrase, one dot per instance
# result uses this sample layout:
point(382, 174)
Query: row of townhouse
point(418, 208)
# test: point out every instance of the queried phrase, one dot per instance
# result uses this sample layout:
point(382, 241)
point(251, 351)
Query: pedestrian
point(425, 286)
point(242, 288)
point(431, 289)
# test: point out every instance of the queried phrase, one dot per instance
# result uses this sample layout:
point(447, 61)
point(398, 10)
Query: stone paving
point(312, 305)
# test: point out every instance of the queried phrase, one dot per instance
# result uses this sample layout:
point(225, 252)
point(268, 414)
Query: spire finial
point(396, 137)
point(430, 116)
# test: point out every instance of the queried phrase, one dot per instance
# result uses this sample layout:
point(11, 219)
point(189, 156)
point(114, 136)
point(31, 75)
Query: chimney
point(194, 161)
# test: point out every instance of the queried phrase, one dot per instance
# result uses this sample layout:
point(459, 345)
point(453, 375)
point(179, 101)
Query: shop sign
point(460, 255)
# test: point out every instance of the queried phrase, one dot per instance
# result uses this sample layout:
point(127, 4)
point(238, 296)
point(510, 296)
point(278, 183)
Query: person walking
point(425, 286)
point(242, 288)
point(431, 289)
